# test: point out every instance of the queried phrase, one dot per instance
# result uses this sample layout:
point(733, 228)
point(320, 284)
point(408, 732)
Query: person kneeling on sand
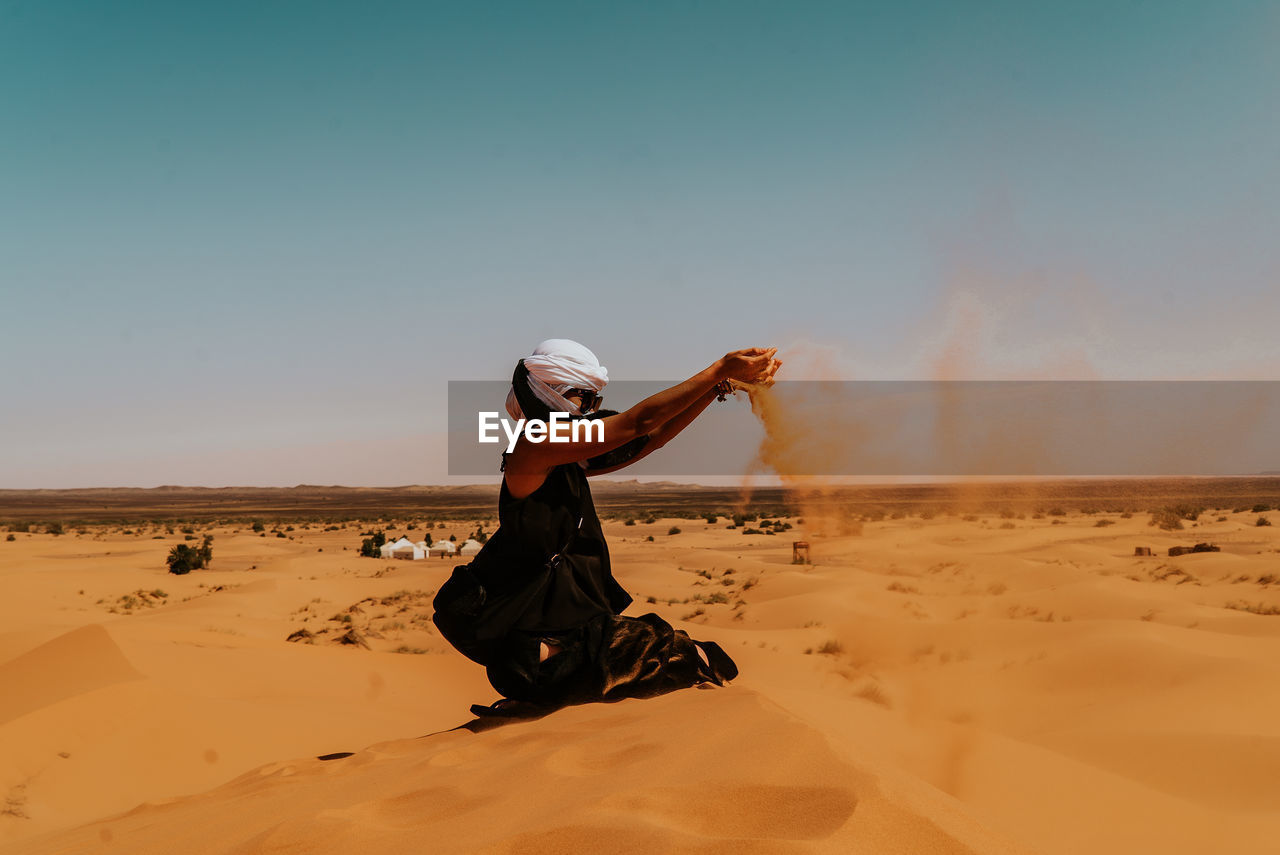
point(538, 606)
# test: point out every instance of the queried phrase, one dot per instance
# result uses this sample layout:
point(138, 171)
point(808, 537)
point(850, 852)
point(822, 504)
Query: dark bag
point(477, 618)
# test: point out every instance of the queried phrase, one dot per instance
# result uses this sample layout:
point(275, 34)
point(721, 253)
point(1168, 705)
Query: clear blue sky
point(249, 243)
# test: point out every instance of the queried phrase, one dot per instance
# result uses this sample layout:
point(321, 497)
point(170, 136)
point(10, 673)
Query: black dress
point(603, 656)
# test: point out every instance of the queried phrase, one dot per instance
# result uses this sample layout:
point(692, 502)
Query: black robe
point(575, 605)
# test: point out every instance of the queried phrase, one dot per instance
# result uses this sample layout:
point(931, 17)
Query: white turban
point(556, 366)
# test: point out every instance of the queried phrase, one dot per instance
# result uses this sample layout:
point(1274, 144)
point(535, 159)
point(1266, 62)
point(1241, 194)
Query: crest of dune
point(76, 662)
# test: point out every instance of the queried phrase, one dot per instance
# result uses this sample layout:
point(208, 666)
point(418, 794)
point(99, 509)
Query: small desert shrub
point(673, 530)
point(629, 521)
point(11, 537)
point(1262, 521)
point(1167, 519)
point(831, 648)
point(1188, 512)
point(54, 528)
point(1260, 508)
point(1103, 523)
point(258, 526)
point(369, 547)
point(873, 693)
point(183, 559)
point(649, 538)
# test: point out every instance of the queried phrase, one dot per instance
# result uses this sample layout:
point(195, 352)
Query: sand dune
point(943, 685)
point(71, 664)
point(665, 775)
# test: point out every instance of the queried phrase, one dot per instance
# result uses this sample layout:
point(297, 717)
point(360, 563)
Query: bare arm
point(672, 428)
point(664, 434)
point(528, 464)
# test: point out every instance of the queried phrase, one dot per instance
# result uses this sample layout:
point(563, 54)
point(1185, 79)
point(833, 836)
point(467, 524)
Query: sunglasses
point(590, 399)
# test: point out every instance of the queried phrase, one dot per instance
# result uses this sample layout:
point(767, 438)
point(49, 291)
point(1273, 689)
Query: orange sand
point(927, 686)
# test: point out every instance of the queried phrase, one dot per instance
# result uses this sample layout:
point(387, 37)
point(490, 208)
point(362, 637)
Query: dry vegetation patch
point(1253, 608)
point(134, 601)
point(384, 618)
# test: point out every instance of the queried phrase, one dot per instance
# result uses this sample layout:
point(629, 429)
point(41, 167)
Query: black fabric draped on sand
point(573, 604)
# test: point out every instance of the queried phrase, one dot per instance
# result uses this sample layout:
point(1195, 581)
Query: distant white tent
point(442, 548)
point(471, 547)
point(385, 549)
point(407, 549)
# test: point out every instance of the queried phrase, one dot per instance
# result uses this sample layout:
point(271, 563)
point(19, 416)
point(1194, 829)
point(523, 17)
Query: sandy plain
point(945, 682)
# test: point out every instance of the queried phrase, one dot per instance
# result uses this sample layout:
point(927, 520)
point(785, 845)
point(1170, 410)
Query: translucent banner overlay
point(936, 428)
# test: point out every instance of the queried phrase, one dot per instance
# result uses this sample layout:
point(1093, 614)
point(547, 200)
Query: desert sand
point(976, 683)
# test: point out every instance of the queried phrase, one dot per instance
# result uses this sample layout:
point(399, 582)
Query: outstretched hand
point(754, 366)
